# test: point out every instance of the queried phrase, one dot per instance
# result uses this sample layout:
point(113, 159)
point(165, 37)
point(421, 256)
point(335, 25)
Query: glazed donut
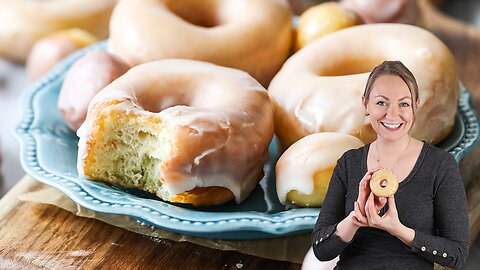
point(329, 77)
point(384, 183)
point(254, 35)
point(50, 50)
point(304, 170)
point(29, 21)
point(386, 11)
point(188, 131)
point(84, 80)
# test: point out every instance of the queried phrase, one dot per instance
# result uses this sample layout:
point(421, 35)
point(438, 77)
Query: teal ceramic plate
point(49, 153)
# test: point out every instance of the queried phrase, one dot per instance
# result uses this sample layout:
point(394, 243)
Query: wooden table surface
point(34, 236)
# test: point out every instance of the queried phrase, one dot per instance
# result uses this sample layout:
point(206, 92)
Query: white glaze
point(251, 35)
point(314, 102)
point(222, 127)
point(312, 154)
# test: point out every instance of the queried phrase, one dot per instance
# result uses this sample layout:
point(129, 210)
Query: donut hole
point(199, 13)
point(383, 183)
point(156, 106)
point(155, 100)
point(349, 66)
point(177, 91)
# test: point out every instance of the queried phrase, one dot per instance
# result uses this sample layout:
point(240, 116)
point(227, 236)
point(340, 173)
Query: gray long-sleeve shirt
point(431, 200)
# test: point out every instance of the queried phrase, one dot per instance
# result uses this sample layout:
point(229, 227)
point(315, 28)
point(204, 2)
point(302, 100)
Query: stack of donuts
point(178, 105)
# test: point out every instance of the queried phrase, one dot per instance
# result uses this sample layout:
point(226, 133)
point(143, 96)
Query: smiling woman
point(390, 99)
point(427, 214)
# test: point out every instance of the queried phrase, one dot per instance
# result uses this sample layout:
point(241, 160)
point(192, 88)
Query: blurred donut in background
point(321, 20)
point(300, 6)
point(84, 80)
point(386, 11)
point(50, 50)
point(254, 36)
point(25, 22)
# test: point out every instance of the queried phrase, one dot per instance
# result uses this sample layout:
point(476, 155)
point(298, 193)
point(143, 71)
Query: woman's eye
point(404, 104)
point(381, 103)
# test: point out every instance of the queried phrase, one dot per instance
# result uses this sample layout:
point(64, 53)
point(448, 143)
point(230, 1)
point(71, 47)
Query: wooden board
point(38, 236)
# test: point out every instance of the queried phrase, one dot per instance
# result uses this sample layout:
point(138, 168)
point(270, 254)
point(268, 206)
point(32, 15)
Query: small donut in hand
point(384, 183)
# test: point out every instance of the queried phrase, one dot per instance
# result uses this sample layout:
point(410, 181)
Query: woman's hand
point(389, 221)
point(360, 219)
point(364, 190)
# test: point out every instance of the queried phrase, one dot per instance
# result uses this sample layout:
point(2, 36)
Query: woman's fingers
point(380, 203)
point(368, 207)
point(364, 189)
point(368, 174)
point(371, 211)
point(392, 207)
point(359, 215)
point(358, 222)
point(364, 183)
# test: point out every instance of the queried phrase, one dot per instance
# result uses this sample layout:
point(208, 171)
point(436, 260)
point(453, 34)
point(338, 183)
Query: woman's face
point(390, 107)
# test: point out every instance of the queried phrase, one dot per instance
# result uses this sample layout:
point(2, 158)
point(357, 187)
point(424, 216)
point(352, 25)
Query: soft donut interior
point(130, 149)
point(321, 180)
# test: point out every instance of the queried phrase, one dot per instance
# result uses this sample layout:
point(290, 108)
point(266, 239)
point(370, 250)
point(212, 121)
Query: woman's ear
point(417, 103)
point(364, 105)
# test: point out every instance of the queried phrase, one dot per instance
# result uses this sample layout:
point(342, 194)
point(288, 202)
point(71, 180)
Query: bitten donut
point(50, 50)
point(384, 183)
point(84, 80)
point(25, 22)
point(188, 131)
point(320, 88)
point(253, 35)
point(304, 170)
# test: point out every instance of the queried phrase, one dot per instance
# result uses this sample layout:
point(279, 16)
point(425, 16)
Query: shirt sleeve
point(326, 244)
point(450, 246)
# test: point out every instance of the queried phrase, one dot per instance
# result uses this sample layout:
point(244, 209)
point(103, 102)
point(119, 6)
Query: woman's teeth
point(391, 126)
